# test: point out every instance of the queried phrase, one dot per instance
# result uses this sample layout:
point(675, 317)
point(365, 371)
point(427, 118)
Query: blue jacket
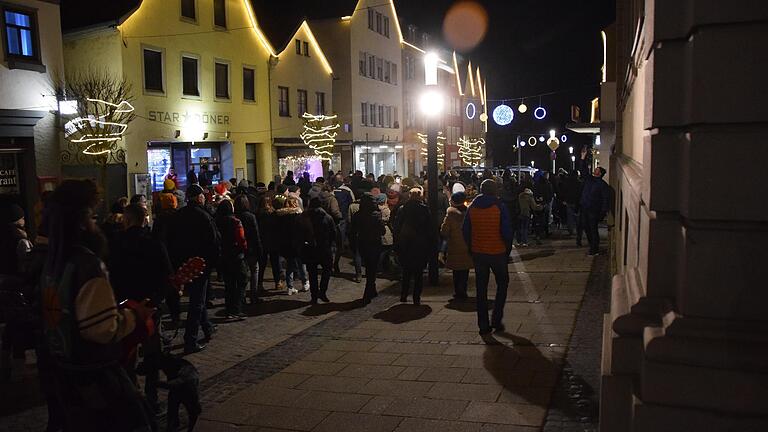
point(595, 195)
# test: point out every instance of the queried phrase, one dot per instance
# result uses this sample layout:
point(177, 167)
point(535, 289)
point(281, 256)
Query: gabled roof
point(80, 14)
point(279, 20)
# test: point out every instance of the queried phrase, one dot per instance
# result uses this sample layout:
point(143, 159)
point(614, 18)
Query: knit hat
point(458, 198)
point(194, 190)
point(169, 184)
point(489, 187)
point(458, 187)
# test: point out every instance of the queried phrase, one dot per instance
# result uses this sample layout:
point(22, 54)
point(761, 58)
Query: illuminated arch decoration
point(99, 132)
point(471, 151)
point(503, 115)
point(532, 141)
point(522, 108)
point(440, 147)
point(319, 134)
point(484, 118)
point(541, 139)
point(470, 111)
point(540, 113)
point(564, 138)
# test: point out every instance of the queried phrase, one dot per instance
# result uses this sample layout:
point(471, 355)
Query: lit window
point(20, 34)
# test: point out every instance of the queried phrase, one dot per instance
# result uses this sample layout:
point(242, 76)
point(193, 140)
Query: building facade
point(31, 59)
point(200, 77)
point(685, 342)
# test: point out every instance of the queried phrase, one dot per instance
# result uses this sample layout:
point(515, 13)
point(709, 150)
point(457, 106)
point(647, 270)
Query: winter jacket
point(487, 226)
point(543, 189)
point(344, 197)
point(252, 233)
point(388, 238)
point(570, 190)
point(139, 267)
point(365, 229)
point(415, 234)
point(318, 235)
point(233, 241)
point(267, 231)
point(193, 233)
point(327, 200)
point(286, 231)
point(457, 255)
point(595, 196)
point(527, 204)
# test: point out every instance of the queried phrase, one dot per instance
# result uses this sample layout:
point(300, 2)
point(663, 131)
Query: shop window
point(320, 103)
point(302, 102)
point(283, 102)
point(190, 76)
point(222, 80)
point(220, 13)
point(249, 84)
point(153, 70)
point(189, 9)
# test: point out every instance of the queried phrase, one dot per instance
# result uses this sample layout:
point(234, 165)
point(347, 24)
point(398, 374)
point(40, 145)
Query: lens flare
point(465, 25)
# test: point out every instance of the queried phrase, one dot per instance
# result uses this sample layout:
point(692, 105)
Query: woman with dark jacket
point(318, 239)
point(252, 236)
point(232, 265)
point(366, 229)
point(288, 239)
point(415, 242)
point(265, 216)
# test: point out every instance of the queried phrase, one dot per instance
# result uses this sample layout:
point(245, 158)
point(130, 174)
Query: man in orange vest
point(488, 233)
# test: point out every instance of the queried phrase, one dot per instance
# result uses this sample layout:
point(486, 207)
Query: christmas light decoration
point(522, 108)
point(541, 139)
point(319, 134)
point(532, 141)
point(98, 132)
point(540, 113)
point(471, 151)
point(440, 146)
point(470, 111)
point(484, 117)
point(503, 115)
point(553, 143)
point(564, 138)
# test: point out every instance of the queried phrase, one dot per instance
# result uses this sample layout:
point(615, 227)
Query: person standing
point(318, 241)
point(232, 265)
point(366, 229)
point(194, 234)
point(593, 205)
point(265, 216)
point(528, 207)
point(455, 253)
point(415, 243)
point(288, 241)
point(488, 233)
point(344, 197)
point(252, 235)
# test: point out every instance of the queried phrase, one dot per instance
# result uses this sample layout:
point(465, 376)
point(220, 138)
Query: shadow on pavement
point(326, 308)
point(273, 307)
point(535, 255)
point(403, 313)
point(468, 304)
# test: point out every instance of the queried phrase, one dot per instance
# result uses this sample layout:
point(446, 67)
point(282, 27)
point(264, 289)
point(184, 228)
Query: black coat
point(139, 267)
point(193, 233)
point(415, 234)
point(287, 232)
point(266, 223)
point(318, 236)
point(366, 229)
point(252, 233)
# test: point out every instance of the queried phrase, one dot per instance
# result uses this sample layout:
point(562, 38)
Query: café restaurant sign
point(9, 175)
point(178, 118)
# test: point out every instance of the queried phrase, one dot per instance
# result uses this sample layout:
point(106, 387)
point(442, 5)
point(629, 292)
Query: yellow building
point(199, 71)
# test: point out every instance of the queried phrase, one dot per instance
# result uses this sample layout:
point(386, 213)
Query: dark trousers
point(370, 258)
point(197, 315)
point(234, 289)
point(415, 273)
point(254, 269)
point(460, 279)
point(274, 261)
point(589, 221)
point(318, 280)
point(183, 394)
point(484, 265)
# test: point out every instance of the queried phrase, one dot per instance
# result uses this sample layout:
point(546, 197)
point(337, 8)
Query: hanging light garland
point(440, 146)
point(319, 134)
point(471, 151)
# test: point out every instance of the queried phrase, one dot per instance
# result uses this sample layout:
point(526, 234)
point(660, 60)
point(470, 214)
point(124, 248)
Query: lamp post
point(432, 106)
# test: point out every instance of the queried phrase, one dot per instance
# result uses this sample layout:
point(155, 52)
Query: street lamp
point(431, 104)
point(573, 162)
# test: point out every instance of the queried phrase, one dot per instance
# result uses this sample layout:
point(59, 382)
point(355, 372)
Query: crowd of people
point(100, 289)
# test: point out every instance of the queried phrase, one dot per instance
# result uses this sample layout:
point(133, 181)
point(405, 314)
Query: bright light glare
point(552, 133)
point(431, 103)
point(68, 107)
point(430, 69)
point(570, 150)
point(522, 108)
point(193, 130)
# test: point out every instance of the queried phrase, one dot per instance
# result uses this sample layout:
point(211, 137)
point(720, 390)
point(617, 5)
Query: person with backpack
point(232, 265)
point(318, 240)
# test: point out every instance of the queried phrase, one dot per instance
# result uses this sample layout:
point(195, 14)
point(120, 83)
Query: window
point(189, 9)
point(386, 26)
point(306, 49)
point(222, 80)
point(387, 71)
point(298, 47)
point(378, 22)
point(320, 103)
point(394, 73)
point(364, 117)
point(395, 118)
point(283, 104)
point(20, 34)
point(370, 19)
point(249, 84)
point(302, 102)
point(372, 119)
point(153, 70)
point(363, 57)
point(220, 13)
point(190, 74)
point(372, 67)
point(380, 69)
point(381, 115)
point(389, 116)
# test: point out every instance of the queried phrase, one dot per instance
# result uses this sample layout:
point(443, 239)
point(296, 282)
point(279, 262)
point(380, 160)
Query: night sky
point(531, 47)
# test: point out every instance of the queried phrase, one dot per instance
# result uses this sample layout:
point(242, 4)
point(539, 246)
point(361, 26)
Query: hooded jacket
point(415, 234)
point(328, 200)
point(487, 226)
point(344, 197)
point(287, 235)
point(318, 235)
point(595, 196)
point(457, 255)
point(527, 204)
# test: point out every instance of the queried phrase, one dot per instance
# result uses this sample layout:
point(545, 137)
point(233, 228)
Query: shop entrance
point(210, 162)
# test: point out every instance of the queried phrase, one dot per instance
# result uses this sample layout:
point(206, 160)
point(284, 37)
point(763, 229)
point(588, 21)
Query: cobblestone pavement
point(392, 366)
